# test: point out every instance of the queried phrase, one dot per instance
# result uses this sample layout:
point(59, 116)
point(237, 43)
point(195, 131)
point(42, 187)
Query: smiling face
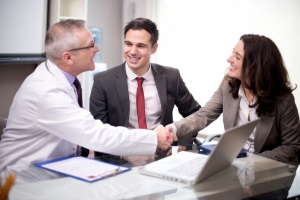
point(236, 61)
point(84, 57)
point(138, 50)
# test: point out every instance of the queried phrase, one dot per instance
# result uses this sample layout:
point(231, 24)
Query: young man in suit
point(113, 96)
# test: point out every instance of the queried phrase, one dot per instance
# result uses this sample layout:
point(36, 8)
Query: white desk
point(246, 177)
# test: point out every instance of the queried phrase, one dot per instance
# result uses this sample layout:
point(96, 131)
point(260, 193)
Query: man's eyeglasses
point(87, 47)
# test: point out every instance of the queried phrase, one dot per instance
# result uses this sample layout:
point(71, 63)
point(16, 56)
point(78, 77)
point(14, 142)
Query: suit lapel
point(120, 80)
point(161, 85)
point(263, 130)
point(230, 110)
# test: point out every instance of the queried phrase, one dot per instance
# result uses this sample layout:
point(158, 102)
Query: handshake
point(165, 136)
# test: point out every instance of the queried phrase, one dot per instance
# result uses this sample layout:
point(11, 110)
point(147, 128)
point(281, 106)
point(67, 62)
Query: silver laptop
point(192, 168)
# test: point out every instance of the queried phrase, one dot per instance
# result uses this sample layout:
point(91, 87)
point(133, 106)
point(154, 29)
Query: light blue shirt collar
point(69, 77)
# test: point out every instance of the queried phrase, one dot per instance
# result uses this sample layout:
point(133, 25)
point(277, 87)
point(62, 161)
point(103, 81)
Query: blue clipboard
point(208, 148)
point(82, 168)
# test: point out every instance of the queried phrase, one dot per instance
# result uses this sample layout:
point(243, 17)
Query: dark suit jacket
point(277, 134)
point(109, 100)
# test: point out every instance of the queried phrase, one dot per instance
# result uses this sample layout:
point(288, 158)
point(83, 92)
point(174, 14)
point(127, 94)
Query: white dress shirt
point(244, 112)
point(45, 122)
point(152, 101)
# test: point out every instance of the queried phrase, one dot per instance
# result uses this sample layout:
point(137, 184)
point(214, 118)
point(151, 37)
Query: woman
point(256, 85)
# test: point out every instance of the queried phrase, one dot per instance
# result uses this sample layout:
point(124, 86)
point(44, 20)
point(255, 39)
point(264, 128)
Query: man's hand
point(164, 137)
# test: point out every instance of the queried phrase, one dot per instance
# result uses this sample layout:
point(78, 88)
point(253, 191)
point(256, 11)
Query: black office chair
point(209, 138)
point(2, 125)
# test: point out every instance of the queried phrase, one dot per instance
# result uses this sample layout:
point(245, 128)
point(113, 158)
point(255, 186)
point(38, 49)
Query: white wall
point(107, 15)
point(198, 36)
point(137, 8)
point(23, 26)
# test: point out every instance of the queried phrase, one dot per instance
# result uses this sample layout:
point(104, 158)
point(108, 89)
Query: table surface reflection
point(252, 176)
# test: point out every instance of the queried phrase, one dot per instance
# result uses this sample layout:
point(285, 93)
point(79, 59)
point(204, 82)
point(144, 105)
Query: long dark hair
point(263, 73)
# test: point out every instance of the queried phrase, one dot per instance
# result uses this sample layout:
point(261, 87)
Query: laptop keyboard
point(190, 168)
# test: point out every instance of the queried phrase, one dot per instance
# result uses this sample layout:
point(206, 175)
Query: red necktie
point(140, 104)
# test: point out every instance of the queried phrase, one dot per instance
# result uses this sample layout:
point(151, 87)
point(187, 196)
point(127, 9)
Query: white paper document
point(82, 168)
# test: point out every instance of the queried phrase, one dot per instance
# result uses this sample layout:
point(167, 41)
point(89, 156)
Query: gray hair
point(61, 37)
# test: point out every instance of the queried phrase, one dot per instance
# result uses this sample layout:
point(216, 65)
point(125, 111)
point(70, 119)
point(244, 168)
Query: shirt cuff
point(174, 128)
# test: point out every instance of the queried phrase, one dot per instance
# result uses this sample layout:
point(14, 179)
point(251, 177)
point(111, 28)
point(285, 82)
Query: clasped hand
point(165, 137)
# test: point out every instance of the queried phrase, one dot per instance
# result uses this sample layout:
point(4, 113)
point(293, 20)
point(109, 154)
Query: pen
point(7, 185)
point(118, 171)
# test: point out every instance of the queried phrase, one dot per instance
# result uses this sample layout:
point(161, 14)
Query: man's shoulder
point(164, 69)
point(112, 71)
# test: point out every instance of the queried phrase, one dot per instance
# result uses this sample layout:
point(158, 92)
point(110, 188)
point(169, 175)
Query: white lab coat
point(45, 122)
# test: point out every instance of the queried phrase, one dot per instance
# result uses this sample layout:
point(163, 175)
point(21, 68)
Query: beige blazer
point(277, 136)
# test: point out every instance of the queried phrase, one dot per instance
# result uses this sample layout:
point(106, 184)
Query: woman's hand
point(180, 148)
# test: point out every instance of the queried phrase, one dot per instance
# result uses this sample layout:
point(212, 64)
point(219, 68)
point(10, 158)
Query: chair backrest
point(2, 125)
point(298, 153)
